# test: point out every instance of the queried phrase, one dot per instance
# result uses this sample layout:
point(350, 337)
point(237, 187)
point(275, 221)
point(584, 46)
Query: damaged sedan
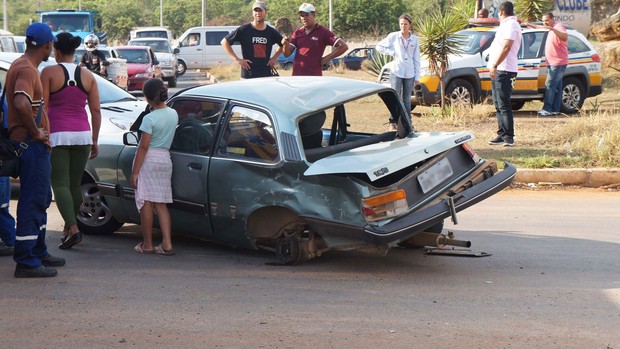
point(288, 165)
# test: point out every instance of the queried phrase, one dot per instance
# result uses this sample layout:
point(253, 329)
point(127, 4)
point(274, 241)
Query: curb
point(594, 177)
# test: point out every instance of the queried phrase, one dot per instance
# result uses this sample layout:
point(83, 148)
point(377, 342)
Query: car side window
point(249, 134)
point(530, 45)
point(576, 46)
point(197, 125)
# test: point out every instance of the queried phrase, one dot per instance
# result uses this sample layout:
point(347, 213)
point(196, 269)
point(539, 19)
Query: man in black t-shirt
point(257, 39)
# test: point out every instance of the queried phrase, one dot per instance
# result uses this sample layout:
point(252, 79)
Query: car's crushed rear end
point(411, 188)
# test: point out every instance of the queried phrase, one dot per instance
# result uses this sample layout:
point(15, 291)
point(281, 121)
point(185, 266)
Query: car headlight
point(142, 75)
point(166, 64)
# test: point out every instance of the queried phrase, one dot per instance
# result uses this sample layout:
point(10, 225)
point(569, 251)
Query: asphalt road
point(553, 281)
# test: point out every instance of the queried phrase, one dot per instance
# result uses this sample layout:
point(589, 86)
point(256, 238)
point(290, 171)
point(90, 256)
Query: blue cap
point(39, 33)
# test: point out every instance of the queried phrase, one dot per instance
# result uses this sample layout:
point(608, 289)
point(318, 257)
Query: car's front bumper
point(168, 72)
point(404, 228)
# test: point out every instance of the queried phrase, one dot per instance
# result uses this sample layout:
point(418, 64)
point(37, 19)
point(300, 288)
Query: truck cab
point(78, 23)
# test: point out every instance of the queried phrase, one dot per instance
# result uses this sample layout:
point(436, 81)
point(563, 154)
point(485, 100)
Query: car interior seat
point(311, 131)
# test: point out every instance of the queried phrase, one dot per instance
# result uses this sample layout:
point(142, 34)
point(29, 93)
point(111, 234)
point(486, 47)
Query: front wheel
point(460, 92)
point(573, 95)
point(95, 217)
point(181, 68)
point(172, 82)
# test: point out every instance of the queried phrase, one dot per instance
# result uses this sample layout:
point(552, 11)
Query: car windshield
point(472, 41)
point(156, 45)
point(67, 22)
point(134, 55)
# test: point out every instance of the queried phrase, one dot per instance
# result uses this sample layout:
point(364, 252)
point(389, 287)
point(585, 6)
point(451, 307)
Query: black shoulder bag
point(9, 153)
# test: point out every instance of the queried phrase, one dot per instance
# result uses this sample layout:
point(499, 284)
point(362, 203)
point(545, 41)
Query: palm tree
point(438, 41)
point(532, 10)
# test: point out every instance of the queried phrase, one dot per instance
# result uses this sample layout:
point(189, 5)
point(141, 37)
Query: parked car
point(468, 81)
point(286, 63)
point(116, 69)
point(20, 42)
point(7, 42)
point(151, 32)
point(166, 56)
point(353, 59)
point(254, 172)
point(119, 109)
point(141, 65)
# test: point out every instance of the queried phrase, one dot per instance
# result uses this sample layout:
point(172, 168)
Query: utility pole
point(4, 16)
point(161, 13)
point(204, 7)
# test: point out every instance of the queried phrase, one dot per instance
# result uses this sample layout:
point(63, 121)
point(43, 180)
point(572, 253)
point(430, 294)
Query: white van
point(199, 47)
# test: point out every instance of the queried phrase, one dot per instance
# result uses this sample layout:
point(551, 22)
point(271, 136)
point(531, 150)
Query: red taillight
point(385, 206)
point(471, 152)
point(596, 57)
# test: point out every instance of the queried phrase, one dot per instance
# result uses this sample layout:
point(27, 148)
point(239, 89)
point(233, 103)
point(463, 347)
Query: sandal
point(70, 241)
point(160, 250)
point(138, 249)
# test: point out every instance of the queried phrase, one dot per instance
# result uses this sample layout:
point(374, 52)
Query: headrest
point(312, 123)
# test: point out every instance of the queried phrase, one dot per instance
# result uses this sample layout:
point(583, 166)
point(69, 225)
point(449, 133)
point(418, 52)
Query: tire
point(95, 217)
point(172, 82)
point(573, 95)
point(517, 105)
point(460, 92)
point(181, 68)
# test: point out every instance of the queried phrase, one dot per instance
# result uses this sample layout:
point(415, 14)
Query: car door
point(530, 56)
point(191, 48)
point(155, 64)
point(190, 152)
point(245, 173)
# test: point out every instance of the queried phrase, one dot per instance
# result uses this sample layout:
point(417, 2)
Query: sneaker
point(51, 261)
point(22, 271)
point(5, 250)
point(543, 112)
point(555, 113)
point(508, 142)
point(496, 141)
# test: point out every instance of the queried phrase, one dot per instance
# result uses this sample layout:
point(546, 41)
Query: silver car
point(282, 164)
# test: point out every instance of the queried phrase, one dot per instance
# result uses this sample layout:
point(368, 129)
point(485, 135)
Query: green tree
point(532, 10)
point(438, 41)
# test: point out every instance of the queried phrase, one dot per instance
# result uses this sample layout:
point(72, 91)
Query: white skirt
point(155, 178)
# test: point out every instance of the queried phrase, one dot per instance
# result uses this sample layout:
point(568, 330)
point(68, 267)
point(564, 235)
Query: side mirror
point(130, 138)
point(176, 50)
point(155, 62)
point(99, 23)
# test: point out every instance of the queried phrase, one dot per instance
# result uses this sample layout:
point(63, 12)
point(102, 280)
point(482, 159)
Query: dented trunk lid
point(381, 159)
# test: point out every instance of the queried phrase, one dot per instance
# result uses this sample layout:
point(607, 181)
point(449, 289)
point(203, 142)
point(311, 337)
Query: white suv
point(467, 80)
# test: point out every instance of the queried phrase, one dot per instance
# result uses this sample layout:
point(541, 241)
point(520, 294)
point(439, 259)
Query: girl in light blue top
point(405, 49)
point(152, 168)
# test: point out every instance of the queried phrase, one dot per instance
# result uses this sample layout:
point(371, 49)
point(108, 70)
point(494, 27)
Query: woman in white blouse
point(405, 49)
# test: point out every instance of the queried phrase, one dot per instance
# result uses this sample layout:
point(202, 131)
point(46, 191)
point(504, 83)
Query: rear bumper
point(418, 221)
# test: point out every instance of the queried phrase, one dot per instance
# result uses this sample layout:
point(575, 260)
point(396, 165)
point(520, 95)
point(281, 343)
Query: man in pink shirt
point(310, 41)
point(503, 67)
point(556, 53)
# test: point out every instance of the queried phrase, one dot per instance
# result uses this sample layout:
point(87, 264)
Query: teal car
point(282, 164)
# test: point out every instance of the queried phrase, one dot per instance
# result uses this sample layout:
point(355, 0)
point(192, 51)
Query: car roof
point(149, 39)
point(132, 47)
point(290, 95)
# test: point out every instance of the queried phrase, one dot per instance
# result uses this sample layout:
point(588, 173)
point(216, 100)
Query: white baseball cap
point(306, 7)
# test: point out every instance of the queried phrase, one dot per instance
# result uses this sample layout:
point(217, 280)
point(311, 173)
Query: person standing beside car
point(256, 38)
point(7, 222)
point(556, 54)
point(503, 67)
point(93, 59)
point(67, 88)
point(151, 174)
point(24, 94)
point(310, 41)
point(404, 47)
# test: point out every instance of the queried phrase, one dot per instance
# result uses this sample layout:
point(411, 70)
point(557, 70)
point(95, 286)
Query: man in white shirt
point(503, 66)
